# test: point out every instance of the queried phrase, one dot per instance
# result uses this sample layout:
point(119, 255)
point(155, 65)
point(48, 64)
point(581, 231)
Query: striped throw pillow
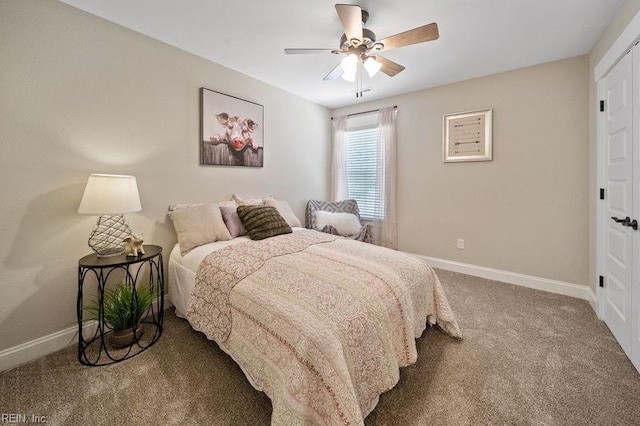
point(262, 222)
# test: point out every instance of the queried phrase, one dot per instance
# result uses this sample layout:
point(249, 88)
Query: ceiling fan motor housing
point(368, 40)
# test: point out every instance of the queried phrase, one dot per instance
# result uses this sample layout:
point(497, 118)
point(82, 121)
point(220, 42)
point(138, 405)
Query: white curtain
point(339, 183)
point(385, 231)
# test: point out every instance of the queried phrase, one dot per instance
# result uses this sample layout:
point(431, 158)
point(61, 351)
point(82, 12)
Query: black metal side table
point(96, 350)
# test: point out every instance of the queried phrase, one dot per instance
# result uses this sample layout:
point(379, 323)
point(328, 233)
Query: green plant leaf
point(122, 306)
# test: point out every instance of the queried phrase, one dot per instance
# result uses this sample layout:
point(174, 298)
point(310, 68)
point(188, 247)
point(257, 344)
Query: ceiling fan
point(359, 44)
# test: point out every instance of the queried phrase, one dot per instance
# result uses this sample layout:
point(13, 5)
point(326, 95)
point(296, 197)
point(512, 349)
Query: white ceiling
point(477, 37)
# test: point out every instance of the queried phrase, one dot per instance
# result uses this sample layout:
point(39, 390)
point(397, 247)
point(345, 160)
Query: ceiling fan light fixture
point(349, 64)
point(350, 75)
point(372, 66)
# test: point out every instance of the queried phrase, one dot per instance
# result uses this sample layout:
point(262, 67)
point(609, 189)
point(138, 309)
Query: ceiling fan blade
point(351, 17)
point(309, 51)
point(334, 74)
point(417, 35)
point(390, 68)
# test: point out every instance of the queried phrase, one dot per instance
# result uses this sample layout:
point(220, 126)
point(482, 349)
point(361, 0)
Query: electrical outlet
point(460, 243)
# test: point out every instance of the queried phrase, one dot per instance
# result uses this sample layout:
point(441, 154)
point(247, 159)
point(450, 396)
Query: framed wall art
point(467, 136)
point(231, 130)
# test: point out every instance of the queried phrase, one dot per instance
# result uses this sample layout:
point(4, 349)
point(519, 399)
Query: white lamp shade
point(349, 63)
point(372, 66)
point(110, 194)
point(349, 76)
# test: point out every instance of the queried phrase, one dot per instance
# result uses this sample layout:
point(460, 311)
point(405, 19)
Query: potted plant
point(123, 310)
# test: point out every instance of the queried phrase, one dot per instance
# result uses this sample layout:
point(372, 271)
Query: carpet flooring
point(527, 357)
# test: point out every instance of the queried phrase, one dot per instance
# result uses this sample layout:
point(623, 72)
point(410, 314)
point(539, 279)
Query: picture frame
point(231, 130)
point(467, 136)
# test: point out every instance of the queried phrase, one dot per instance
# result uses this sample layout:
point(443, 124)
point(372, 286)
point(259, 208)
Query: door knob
point(627, 222)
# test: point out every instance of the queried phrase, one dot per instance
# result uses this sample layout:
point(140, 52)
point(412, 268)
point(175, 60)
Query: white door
point(618, 241)
point(635, 290)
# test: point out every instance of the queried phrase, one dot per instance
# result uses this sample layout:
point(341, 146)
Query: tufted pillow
point(346, 224)
point(198, 225)
point(231, 219)
point(262, 222)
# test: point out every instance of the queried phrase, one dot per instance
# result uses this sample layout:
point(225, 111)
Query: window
point(361, 169)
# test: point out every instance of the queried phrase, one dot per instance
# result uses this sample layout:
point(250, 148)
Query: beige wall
point(527, 210)
point(81, 95)
point(623, 16)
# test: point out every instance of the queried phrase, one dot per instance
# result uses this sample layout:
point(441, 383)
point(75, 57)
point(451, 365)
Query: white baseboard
point(530, 281)
point(30, 351)
point(592, 299)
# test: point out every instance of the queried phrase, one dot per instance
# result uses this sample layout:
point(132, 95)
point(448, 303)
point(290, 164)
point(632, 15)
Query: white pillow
point(198, 225)
point(345, 223)
point(229, 203)
point(248, 201)
point(285, 211)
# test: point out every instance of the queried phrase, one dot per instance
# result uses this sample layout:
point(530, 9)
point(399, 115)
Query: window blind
point(361, 163)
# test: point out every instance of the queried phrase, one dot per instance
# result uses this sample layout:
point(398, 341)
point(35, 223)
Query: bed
point(319, 323)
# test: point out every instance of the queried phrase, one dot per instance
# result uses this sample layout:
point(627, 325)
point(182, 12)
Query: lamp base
point(106, 238)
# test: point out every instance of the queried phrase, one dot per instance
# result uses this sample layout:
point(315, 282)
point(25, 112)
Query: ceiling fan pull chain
point(357, 91)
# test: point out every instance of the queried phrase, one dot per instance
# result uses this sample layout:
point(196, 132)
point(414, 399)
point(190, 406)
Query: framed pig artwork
point(231, 130)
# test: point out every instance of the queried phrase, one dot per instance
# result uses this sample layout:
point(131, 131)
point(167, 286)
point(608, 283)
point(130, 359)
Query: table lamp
point(110, 196)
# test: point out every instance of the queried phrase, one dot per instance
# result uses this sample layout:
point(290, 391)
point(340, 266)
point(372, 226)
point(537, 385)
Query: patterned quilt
point(321, 324)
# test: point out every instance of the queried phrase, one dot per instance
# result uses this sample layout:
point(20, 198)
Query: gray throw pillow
point(262, 222)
